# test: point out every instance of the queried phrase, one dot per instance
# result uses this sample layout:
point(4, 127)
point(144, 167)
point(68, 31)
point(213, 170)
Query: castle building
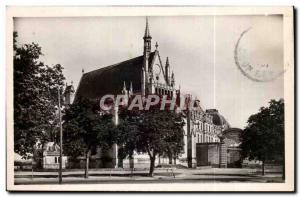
point(151, 74)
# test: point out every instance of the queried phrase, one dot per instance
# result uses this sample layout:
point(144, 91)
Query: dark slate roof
point(109, 80)
point(218, 119)
point(233, 134)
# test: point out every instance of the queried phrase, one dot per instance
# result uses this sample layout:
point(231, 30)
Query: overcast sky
point(200, 50)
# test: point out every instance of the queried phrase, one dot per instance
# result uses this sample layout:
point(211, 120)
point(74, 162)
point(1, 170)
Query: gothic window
point(55, 160)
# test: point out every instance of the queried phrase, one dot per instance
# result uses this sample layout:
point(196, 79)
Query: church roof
point(110, 79)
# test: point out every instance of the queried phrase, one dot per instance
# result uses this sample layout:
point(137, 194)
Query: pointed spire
point(172, 79)
point(82, 71)
point(124, 86)
point(130, 92)
point(124, 91)
point(167, 71)
point(167, 62)
point(72, 82)
point(156, 46)
point(131, 86)
point(147, 32)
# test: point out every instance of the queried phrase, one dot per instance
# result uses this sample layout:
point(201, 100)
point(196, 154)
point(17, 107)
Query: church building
point(151, 74)
point(145, 74)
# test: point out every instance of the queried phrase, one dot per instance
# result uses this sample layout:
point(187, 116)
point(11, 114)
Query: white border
point(55, 11)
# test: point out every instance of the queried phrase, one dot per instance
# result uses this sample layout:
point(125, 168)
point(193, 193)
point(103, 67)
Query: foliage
point(263, 138)
point(85, 129)
point(35, 97)
point(152, 132)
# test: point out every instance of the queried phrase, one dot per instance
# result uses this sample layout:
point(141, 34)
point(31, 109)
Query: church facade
point(151, 74)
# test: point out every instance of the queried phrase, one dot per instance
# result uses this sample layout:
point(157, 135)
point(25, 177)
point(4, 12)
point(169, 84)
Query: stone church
point(145, 74)
point(151, 74)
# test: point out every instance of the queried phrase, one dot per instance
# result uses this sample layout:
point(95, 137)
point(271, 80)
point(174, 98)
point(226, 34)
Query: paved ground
point(161, 175)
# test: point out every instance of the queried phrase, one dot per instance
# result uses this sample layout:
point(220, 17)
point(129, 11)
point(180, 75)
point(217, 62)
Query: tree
point(35, 97)
point(263, 137)
point(127, 132)
point(153, 132)
point(85, 129)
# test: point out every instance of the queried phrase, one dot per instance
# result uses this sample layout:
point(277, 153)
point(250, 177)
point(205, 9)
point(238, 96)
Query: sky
point(200, 51)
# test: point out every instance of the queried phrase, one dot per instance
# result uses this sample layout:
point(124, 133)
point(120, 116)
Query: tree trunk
point(263, 168)
point(87, 162)
point(152, 163)
point(170, 158)
point(175, 160)
point(159, 159)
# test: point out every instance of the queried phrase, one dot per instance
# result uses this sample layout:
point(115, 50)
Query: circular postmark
point(257, 59)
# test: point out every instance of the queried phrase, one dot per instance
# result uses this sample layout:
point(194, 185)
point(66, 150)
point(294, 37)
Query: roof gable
point(154, 61)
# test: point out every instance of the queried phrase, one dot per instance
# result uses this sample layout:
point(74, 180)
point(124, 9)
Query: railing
point(164, 86)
